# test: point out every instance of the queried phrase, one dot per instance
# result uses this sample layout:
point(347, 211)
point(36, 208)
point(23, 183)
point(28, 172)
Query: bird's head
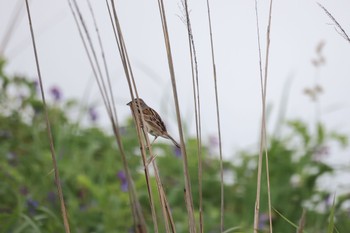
point(138, 102)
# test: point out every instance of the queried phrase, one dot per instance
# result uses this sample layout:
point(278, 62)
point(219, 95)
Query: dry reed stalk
point(188, 191)
point(222, 194)
point(138, 217)
point(167, 216)
point(48, 127)
point(302, 222)
point(197, 106)
point(128, 73)
point(86, 48)
point(263, 134)
point(110, 90)
point(136, 207)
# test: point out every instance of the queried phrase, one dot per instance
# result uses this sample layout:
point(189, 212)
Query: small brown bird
point(153, 123)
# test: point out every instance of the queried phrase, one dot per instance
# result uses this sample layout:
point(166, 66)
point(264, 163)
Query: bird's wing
point(153, 119)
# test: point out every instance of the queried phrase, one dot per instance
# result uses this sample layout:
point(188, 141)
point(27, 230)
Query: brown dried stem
point(263, 134)
point(222, 194)
point(188, 191)
point(48, 127)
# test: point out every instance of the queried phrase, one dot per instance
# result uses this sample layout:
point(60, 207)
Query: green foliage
point(95, 189)
point(87, 158)
point(295, 165)
point(331, 219)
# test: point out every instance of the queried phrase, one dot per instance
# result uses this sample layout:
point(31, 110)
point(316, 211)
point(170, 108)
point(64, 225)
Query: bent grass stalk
point(342, 31)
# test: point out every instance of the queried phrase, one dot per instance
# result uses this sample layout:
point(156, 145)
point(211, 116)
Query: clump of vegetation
point(95, 186)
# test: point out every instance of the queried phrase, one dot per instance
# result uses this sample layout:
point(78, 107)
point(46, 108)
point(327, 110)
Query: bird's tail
point(173, 140)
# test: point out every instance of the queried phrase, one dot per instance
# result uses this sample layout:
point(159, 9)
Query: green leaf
point(331, 218)
point(320, 134)
point(342, 139)
point(300, 128)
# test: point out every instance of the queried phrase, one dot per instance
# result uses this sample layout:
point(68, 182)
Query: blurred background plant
point(95, 186)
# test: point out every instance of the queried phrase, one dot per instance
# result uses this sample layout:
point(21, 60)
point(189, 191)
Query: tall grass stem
point(48, 127)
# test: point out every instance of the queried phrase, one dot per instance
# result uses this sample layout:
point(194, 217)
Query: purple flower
point(320, 152)
point(32, 206)
point(123, 181)
point(329, 200)
point(263, 221)
point(121, 175)
point(93, 114)
point(177, 151)
point(56, 93)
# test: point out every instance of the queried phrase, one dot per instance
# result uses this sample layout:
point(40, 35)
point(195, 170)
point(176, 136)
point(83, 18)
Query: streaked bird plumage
point(153, 123)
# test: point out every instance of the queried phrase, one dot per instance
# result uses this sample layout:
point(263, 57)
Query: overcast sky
point(298, 27)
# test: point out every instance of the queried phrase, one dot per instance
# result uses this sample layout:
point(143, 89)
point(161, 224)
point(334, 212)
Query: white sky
point(298, 26)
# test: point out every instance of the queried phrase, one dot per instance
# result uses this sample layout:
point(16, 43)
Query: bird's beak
point(129, 103)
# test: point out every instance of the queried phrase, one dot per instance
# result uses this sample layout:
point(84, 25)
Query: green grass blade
point(287, 220)
point(232, 229)
point(331, 218)
point(30, 222)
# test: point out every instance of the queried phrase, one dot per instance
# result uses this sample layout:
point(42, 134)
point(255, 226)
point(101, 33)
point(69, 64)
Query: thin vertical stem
point(48, 127)
point(222, 195)
point(188, 191)
point(110, 90)
point(263, 140)
point(138, 217)
point(99, 72)
point(197, 107)
point(132, 87)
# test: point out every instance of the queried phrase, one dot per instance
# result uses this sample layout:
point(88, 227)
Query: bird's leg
point(153, 157)
point(155, 137)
